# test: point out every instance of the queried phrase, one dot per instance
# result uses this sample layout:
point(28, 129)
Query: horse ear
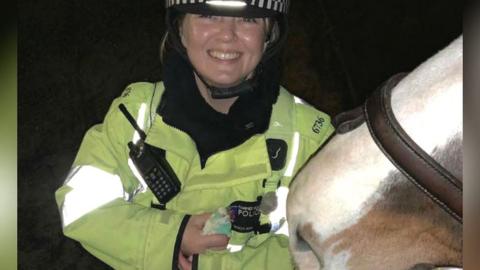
point(349, 120)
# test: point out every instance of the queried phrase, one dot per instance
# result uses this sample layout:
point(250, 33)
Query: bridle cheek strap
point(423, 171)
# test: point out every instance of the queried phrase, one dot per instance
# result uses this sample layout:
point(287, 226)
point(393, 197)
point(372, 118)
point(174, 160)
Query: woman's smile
point(224, 55)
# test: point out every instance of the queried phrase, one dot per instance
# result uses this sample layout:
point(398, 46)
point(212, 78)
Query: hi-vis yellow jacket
point(107, 208)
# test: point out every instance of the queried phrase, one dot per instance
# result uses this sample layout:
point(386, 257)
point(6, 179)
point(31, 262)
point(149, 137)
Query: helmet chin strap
point(246, 86)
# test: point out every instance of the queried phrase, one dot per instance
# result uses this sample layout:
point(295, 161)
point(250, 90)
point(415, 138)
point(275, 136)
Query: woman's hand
point(194, 242)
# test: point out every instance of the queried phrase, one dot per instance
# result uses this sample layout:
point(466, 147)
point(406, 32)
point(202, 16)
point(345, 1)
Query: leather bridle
point(419, 167)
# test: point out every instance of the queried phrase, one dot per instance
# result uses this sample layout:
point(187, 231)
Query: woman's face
point(224, 50)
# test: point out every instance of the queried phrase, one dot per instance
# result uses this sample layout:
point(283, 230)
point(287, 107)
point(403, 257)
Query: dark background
point(76, 56)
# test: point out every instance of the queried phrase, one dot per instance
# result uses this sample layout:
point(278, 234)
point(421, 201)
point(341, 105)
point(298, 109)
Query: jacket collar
point(241, 163)
point(183, 108)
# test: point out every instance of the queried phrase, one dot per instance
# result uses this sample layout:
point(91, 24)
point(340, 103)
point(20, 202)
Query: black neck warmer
point(184, 108)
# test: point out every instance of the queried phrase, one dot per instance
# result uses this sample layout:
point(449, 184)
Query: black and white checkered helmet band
point(280, 6)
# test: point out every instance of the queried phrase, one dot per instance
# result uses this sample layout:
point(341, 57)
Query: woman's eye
point(250, 20)
point(206, 16)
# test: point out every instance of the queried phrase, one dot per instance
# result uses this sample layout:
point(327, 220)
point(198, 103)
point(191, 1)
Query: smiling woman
point(219, 135)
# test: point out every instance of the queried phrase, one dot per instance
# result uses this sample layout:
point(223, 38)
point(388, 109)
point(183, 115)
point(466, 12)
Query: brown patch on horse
point(383, 240)
point(404, 229)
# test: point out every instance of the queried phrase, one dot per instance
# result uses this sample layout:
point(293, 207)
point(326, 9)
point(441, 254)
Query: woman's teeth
point(224, 55)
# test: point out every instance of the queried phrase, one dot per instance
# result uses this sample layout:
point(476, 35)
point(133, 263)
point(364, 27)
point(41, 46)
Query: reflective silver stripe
point(298, 100)
point(278, 216)
point(234, 248)
point(91, 188)
point(295, 146)
point(293, 155)
point(227, 4)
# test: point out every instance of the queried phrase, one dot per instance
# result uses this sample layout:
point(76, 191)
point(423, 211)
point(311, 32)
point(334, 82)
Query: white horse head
point(350, 208)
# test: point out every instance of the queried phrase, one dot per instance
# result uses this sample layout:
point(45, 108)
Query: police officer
point(218, 133)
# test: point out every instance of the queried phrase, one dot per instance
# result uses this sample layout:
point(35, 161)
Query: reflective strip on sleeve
point(293, 155)
point(234, 248)
point(91, 188)
point(278, 218)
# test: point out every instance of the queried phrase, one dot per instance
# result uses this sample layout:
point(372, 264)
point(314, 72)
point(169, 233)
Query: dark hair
point(168, 40)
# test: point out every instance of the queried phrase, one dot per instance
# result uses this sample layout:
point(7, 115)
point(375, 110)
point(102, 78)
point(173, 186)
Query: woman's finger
point(183, 262)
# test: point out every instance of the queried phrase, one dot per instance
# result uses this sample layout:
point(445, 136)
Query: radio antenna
point(132, 121)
